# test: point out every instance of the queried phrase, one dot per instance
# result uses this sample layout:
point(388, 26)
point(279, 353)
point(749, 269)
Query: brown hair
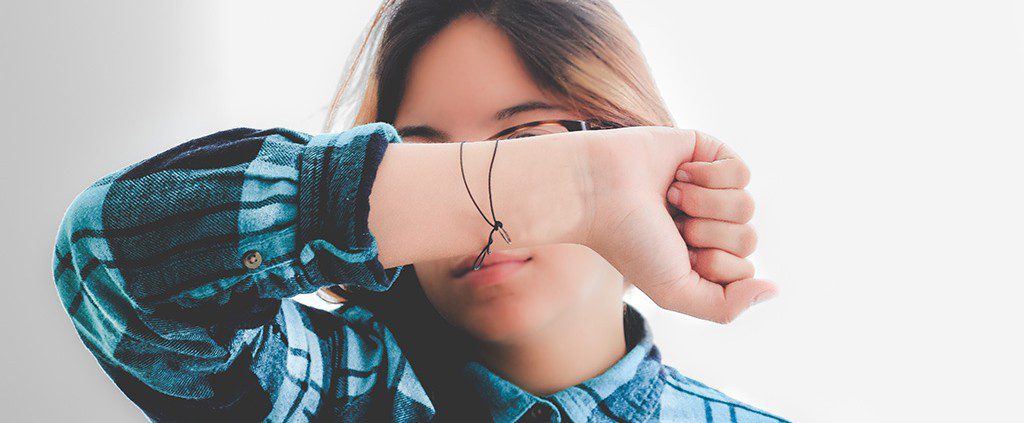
point(579, 50)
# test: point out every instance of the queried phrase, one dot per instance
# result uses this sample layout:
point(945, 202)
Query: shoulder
point(684, 398)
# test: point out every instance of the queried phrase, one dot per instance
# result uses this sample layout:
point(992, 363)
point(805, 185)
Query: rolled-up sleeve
point(336, 179)
point(173, 269)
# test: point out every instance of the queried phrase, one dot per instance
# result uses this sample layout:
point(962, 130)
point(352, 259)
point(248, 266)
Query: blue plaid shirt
point(177, 271)
point(638, 388)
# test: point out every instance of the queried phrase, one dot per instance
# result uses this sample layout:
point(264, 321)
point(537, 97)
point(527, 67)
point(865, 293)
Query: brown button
point(252, 259)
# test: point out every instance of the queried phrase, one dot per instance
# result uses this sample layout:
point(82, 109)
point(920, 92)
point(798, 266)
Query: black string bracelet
point(496, 226)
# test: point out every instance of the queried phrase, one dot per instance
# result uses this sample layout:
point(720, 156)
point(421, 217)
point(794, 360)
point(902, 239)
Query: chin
point(502, 320)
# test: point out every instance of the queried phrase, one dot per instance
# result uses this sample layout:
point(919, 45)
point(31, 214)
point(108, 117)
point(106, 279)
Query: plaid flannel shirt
point(177, 272)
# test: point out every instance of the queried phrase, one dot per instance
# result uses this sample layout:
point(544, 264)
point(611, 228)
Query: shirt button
point(537, 413)
point(252, 259)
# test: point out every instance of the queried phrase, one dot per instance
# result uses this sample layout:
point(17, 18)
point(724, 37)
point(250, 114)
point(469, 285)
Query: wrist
point(618, 169)
point(580, 173)
point(548, 183)
point(600, 179)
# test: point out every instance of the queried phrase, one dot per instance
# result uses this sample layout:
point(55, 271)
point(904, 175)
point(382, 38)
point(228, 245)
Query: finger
point(686, 291)
point(731, 205)
point(675, 213)
point(723, 173)
point(720, 266)
point(735, 238)
point(707, 148)
point(707, 300)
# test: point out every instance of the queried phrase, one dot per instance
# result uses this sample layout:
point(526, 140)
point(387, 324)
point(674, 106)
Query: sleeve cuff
point(336, 174)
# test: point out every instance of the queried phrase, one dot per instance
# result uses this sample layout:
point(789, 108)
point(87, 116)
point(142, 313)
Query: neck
point(579, 345)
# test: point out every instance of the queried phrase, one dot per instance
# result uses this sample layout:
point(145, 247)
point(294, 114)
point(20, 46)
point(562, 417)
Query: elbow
point(76, 251)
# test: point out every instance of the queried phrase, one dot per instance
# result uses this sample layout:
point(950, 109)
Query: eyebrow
point(525, 107)
point(437, 135)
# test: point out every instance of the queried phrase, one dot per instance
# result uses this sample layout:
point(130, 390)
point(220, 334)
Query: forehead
point(465, 74)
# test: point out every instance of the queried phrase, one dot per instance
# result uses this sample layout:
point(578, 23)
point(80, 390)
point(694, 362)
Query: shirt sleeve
point(174, 270)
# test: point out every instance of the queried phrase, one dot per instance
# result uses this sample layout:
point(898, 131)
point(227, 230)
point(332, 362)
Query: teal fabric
point(150, 265)
point(638, 388)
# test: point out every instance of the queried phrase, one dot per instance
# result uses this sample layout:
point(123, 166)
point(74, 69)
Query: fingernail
point(682, 175)
point(762, 297)
point(673, 195)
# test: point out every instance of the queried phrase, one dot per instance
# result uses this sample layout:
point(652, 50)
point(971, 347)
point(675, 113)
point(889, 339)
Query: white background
point(884, 139)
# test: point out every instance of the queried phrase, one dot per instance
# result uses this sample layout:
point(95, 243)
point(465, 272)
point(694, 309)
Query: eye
point(526, 134)
point(533, 131)
point(421, 140)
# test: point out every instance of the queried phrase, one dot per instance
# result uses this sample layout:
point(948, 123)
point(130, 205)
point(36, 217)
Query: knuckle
point(691, 200)
point(724, 266)
point(704, 138)
point(692, 230)
point(716, 258)
point(716, 177)
point(747, 241)
point(743, 175)
point(711, 139)
point(748, 270)
point(747, 207)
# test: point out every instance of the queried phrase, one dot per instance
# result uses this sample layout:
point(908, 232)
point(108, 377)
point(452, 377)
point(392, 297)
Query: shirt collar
point(630, 390)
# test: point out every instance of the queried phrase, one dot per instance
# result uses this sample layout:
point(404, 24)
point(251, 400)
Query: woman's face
point(457, 84)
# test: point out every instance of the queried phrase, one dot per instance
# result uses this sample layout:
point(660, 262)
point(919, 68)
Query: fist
point(682, 243)
point(711, 209)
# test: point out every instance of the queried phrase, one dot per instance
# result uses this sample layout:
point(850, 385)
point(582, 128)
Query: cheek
point(434, 278)
point(438, 286)
point(568, 276)
point(561, 279)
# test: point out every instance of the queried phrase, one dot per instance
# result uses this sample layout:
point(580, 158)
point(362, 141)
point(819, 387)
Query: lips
point(493, 258)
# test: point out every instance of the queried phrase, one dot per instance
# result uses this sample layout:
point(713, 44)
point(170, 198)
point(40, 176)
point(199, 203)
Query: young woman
point(177, 270)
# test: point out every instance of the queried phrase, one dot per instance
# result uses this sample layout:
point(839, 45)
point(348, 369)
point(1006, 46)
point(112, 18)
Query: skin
point(533, 327)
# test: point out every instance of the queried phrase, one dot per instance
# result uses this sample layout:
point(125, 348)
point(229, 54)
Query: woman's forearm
point(420, 210)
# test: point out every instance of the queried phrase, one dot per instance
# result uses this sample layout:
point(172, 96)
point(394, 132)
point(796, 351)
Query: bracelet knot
point(497, 226)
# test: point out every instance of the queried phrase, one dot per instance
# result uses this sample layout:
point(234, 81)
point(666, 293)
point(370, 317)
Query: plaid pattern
point(638, 388)
point(149, 266)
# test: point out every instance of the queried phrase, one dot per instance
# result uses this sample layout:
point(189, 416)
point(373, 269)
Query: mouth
point(466, 266)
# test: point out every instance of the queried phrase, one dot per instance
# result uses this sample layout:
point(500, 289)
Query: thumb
point(663, 264)
point(701, 298)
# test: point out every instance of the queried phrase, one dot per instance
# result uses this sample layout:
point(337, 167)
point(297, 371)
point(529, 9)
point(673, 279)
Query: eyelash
point(423, 140)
